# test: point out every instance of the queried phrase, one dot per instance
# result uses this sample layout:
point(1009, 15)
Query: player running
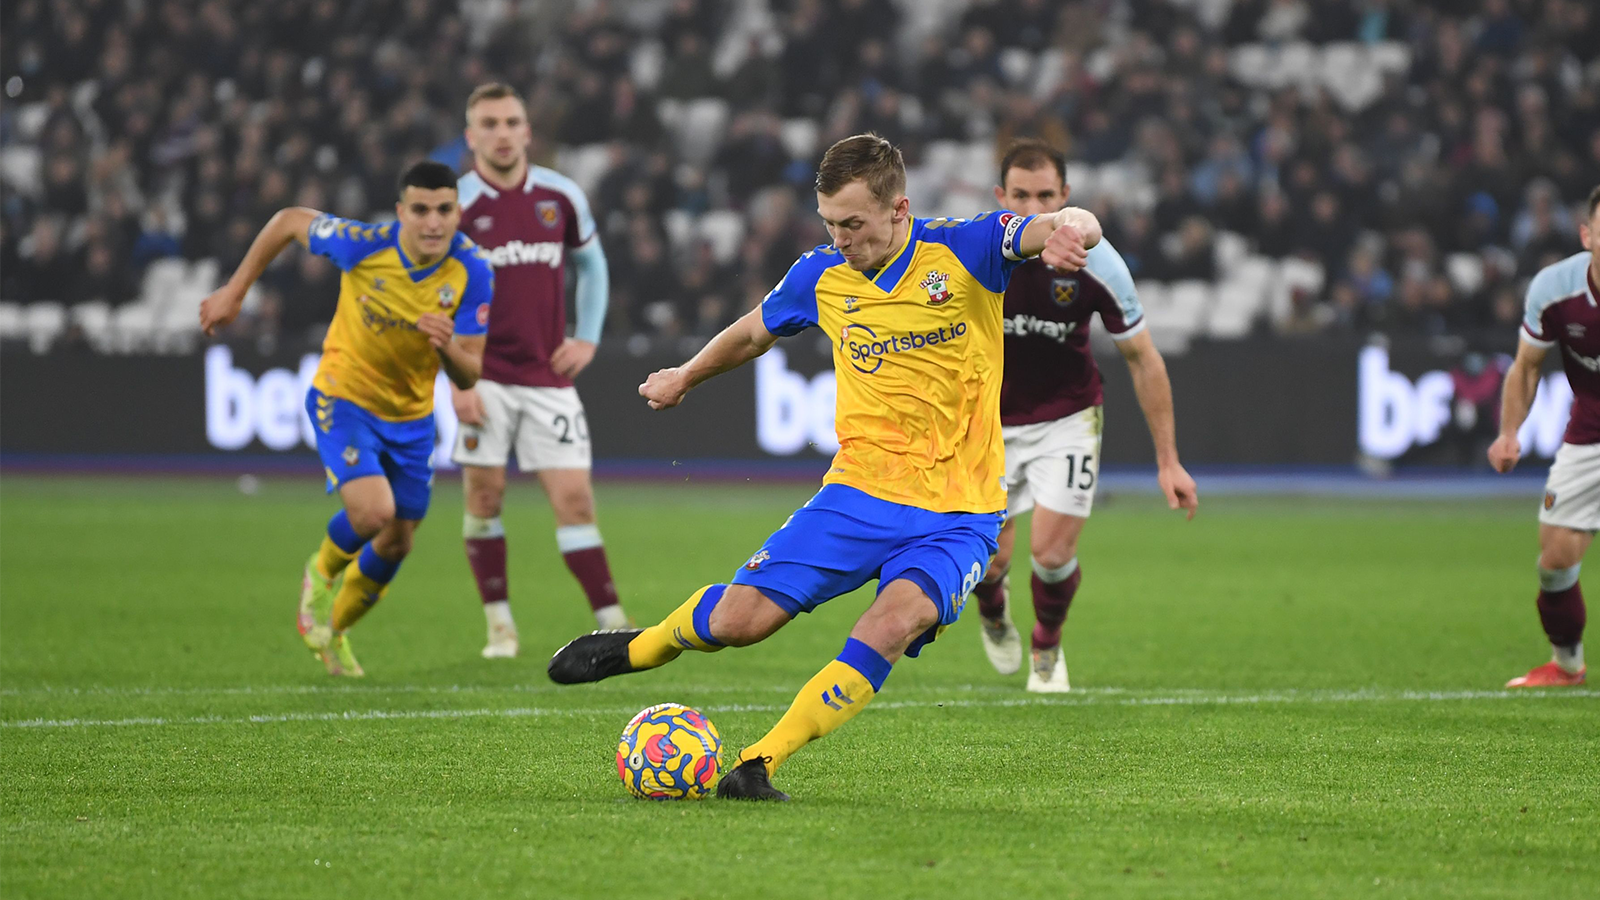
point(414, 296)
point(916, 495)
point(526, 217)
point(1050, 407)
point(1563, 309)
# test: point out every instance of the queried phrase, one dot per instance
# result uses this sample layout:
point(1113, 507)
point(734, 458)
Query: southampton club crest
point(937, 284)
point(549, 212)
point(1064, 290)
point(756, 561)
point(447, 296)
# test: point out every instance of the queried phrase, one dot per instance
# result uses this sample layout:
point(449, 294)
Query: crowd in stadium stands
point(1415, 189)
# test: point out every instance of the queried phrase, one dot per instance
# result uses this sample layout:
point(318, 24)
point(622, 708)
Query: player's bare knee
point(1054, 556)
point(370, 519)
point(485, 503)
point(575, 507)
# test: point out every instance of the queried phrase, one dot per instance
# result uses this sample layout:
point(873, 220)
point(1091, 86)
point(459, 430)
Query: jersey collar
point(421, 274)
point(887, 278)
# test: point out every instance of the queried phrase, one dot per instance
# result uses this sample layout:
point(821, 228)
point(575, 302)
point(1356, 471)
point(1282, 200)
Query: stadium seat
point(1293, 274)
point(45, 320)
point(95, 320)
point(1016, 65)
point(132, 327)
point(724, 230)
point(584, 164)
point(646, 64)
point(800, 138)
point(12, 321)
point(700, 132)
point(943, 159)
point(1231, 248)
point(1465, 271)
point(162, 279)
point(679, 225)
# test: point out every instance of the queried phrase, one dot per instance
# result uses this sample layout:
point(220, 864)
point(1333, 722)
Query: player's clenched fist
point(1504, 453)
point(664, 388)
point(437, 328)
point(1064, 249)
point(220, 308)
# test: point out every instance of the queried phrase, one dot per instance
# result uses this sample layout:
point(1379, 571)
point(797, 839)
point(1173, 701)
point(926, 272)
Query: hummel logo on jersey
point(838, 697)
point(851, 304)
point(1575, 330)
point(377, 284)
point(1023, 325)
point(483, 223)
point(517, 253)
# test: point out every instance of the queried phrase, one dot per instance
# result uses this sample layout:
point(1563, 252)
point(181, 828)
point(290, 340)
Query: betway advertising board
point(1313, 402)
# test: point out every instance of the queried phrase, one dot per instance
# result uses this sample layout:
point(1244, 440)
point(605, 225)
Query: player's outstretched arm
point(1062, 239)
point(1154, 389)
point(734, 346)
point(1522, 382)
point(222, 305)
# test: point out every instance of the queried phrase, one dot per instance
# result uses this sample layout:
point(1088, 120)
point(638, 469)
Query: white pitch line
point(1107, 698)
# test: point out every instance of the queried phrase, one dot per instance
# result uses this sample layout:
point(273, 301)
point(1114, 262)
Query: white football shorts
point(1572, 490)
point(544, 424)
point(1054, 464)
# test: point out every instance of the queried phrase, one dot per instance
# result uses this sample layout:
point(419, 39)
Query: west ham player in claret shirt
point(526, 218)
point(1563, 312)
point(1050, 410)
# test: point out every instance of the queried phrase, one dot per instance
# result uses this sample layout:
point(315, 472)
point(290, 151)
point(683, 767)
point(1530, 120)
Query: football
point(669, 752)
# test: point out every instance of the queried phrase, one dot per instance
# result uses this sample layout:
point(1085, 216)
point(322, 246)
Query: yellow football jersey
point(374, 356)
point(917, 353)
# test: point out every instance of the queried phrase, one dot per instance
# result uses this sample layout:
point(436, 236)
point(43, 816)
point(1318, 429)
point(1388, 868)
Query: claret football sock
point(1563, 615)
point(485, 541)
point(1052, 595)
point(363, 587)
point(686, 628)
point(831, 698)
point(339, 545)
point(585, 556)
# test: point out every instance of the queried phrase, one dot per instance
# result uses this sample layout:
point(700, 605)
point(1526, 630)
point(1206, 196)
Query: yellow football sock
point(831, 698)
point(331, 560)
point(685, 628)
point(361, 591)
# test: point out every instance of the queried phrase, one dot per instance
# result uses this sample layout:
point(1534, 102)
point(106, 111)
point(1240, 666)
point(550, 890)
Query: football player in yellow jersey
point(915, 497)
point(414, 296)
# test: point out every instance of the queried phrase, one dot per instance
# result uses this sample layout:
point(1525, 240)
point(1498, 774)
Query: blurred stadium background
point(1347, 197)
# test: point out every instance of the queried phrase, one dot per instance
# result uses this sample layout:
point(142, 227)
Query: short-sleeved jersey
point(374, 356)
point(917, 351)
point(526, 234)
point(1564, 308)
point(1050, 373)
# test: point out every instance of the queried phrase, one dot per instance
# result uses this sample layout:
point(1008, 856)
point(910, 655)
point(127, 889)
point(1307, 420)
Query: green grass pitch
point(1283, 698)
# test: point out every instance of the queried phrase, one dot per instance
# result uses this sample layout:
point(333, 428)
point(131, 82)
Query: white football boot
point(1049, 672)
point(1002, 643)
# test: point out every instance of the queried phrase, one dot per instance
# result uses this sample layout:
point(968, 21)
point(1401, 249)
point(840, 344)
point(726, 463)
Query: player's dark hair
point(1594, 200)
point(428, 175)
point(863, 157)
point(1030, 154)
point(494, 90)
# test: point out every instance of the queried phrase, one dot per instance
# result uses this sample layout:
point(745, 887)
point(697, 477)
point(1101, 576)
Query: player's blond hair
point(869, 158)
point(494, 90)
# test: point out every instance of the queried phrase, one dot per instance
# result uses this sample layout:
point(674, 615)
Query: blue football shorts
point(354, 443)
point(842, 538)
